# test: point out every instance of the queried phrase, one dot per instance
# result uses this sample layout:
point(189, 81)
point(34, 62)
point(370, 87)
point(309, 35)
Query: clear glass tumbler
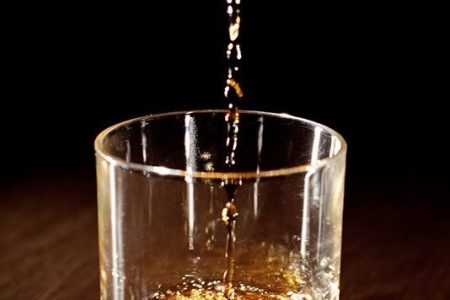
point(162, 204)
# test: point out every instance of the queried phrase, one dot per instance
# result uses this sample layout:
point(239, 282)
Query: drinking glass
point(161, 203)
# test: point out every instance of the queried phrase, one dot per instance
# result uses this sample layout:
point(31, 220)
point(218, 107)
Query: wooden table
point(396, 240)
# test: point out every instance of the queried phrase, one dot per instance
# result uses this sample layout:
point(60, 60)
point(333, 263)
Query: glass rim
point(166, 171)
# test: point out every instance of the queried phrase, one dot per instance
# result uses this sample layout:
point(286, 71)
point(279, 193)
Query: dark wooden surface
point(396, 240)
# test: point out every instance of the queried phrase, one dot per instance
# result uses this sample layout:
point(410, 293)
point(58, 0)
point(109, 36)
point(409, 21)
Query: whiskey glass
point(160, 185)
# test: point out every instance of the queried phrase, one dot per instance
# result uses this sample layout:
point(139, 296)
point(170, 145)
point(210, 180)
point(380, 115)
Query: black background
point(370, 72)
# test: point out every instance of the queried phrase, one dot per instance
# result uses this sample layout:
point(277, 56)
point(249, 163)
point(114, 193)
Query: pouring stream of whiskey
point(233, 94)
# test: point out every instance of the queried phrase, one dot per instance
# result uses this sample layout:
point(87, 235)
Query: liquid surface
point(244, 292)
point(191, 288)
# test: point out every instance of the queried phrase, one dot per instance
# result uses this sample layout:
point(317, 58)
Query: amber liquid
point(233, 94)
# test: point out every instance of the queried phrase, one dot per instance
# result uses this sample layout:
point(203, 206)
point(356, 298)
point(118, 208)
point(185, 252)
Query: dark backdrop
point(365, 71)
